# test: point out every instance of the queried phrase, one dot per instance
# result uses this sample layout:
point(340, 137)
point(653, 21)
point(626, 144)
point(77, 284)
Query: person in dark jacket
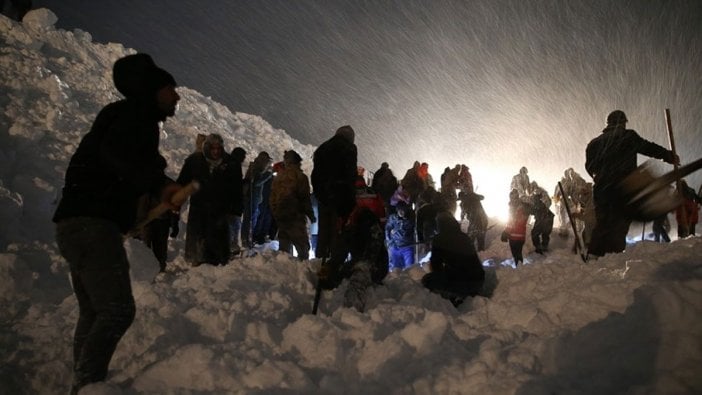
point(472, 210)
point(115, 163)
point(358, 255)
point(207, 232)
point(456, 270)
point(236, 160)
point(384, 183)
point(333, 184)
point(609, 158)
point(426, 219)
point(257, 175)
point(543, 222)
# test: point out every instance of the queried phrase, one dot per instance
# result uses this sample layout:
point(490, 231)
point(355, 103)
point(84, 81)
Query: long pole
point(678, 183)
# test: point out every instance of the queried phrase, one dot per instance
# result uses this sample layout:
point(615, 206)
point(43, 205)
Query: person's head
point(213, 147)
point(616, 118)
point(263, 158)
point(523, 171)
point(446, 223)
point(292, 158)
point(402, 209)
point(238, 154)
point(138, 78)
point(347, 133)
point(384, 165)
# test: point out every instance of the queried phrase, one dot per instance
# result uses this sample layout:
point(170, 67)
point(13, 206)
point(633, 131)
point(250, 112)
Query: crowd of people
point(361, 233)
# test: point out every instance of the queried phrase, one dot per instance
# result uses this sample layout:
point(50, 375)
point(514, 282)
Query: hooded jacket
point(118, 159)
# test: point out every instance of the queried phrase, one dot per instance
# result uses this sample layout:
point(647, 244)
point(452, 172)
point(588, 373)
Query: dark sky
point(487, 83)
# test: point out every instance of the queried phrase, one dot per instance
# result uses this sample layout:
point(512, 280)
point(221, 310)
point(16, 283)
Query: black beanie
point(137, 75)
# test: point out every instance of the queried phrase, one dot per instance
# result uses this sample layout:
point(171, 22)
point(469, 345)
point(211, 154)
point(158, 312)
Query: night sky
point(493, 84)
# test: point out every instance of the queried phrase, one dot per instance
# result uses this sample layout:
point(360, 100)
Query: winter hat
point(137, 76)
point(292, 157)
point(346, 132)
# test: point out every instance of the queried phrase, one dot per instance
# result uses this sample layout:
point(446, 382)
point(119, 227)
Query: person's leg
point(327, 230)
point(95, 252)
point(536, 238)
point(284, 237)
point(407, 256)
point(515, 247)
point(158, 230)
point(235, 233)
point(605, 230)
point(300, 239)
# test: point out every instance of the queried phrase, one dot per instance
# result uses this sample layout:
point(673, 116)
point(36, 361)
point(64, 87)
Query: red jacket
point(517, 225)
point(691, 209)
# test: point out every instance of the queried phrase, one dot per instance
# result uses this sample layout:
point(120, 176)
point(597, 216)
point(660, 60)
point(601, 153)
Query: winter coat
point(521, 184)
point(543, 217)
point(399, 231)
point(238, 185)
point(117, 161)
point(334, 174)
point(426, 221)
point(474, 212)
point(412, 183)
point(465, 180)
point(254, 181)
point(453, 252)
point(366, 198)
point(207, 235)
point(611, 156)
point(384, 183)
point(217, 190)
point(690, 206)
point(290, 195)
point(518, 217)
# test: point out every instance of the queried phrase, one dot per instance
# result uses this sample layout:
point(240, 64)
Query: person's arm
point(131, 153)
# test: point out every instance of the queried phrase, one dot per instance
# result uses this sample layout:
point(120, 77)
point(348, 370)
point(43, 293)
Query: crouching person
point(362, 240)
point(456, 271)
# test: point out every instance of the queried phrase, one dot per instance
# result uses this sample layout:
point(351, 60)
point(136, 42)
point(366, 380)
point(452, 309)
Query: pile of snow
point(626, 323)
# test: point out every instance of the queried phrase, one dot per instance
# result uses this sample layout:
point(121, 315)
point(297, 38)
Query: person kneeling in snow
point(456, 270)
point(362, 239)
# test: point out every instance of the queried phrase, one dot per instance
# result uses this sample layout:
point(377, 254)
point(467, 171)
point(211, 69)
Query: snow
point(626, 323)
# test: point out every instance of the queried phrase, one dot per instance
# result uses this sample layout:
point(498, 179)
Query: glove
point(175, 229)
